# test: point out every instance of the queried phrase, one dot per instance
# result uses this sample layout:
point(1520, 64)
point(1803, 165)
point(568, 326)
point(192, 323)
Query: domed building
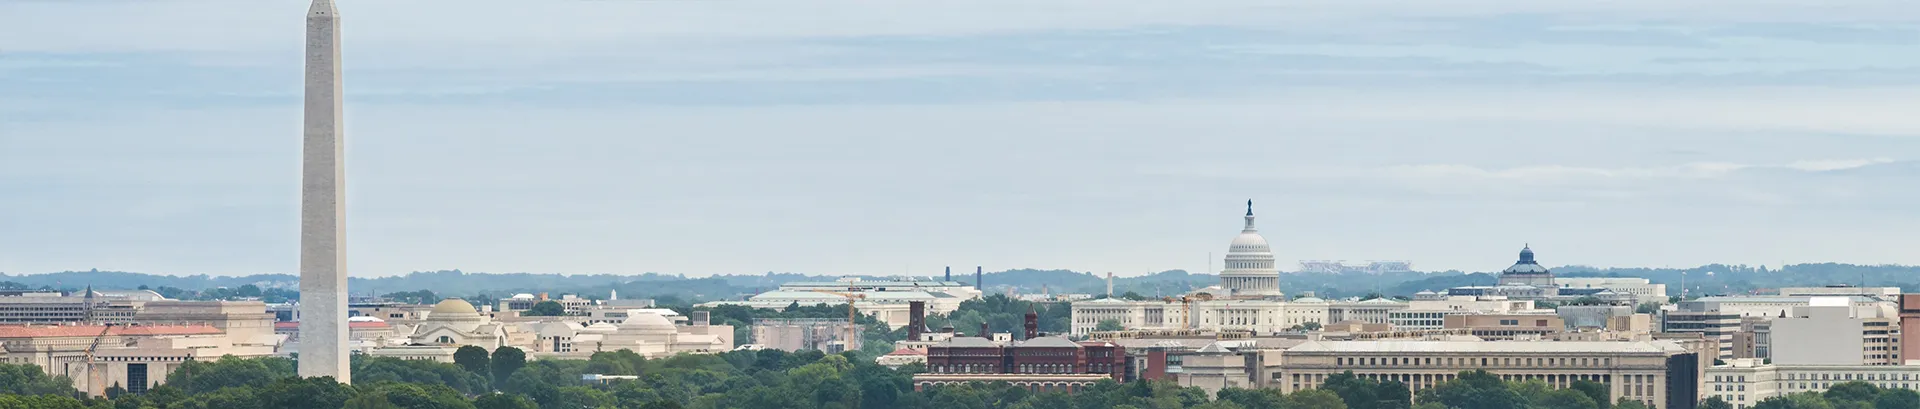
point(455, 322)
point(1250, 269)
point(1526, 272)
point(1247, 299)
point(644, 332)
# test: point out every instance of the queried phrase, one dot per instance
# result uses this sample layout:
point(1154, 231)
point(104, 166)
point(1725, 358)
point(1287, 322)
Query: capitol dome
point(1250, 268)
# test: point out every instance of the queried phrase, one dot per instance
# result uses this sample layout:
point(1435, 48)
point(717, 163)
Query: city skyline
point(703, 138)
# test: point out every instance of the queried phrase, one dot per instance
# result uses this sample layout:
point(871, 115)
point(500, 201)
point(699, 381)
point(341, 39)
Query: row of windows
point(1474, 362)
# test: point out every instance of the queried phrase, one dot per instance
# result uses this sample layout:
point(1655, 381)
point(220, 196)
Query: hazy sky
point(701, 137)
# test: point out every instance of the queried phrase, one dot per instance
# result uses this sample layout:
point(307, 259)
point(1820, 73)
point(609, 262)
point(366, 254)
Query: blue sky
point(828, 136)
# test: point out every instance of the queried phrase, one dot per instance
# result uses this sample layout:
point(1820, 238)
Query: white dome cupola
point(1250, 269)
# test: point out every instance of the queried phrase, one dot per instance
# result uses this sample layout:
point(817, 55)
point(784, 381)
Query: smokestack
point(977, 283)
point(949, 273)
point(916, 319)
point(985, 331)
point(1033, 323)
point(1109, 284)
point(543, 296)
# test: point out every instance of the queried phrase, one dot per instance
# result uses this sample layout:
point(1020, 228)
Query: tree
point(1566, 399)
point(1314, 399)
point(1310, 326)
point(1625, 403)
point(505, 361)
point(1219, 405)
point(30, 380)
point(306, 393)
point(546, 309)
point(1897, 398)
point(198, 377)
point(1476, 389)
point(1594, 390)
point(474, 359)
point(1647, 308)
point(1715, 403)
point(623, 362)
point(1109, 325)
point(1855, 391)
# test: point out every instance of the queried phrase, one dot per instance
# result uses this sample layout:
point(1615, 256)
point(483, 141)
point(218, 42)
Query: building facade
point(1042, 364)
point(1746, 382)
point(1661, 374)
point(1830, 332)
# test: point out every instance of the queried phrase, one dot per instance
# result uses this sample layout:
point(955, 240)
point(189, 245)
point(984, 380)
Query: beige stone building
point(1662, 374)
point(1745, 382)
point(649, 334)
point(1506, 327)
point(141, 354)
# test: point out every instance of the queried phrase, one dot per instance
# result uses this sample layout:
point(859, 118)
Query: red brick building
point(1041, 364)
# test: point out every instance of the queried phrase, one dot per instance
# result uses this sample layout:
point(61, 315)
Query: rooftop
point(1483, 346)
point(37, 331)
point(968, 342)
point(1047, 342)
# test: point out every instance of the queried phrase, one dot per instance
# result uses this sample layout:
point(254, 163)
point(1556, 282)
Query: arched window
point(444, 339)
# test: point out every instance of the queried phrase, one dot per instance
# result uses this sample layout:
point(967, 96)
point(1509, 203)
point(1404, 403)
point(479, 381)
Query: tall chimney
point(985, 331)
point(916, 319)
point(977, 283)
point(1033, 323)
point(949, 273)
point(543, 296)
point(1109, 284)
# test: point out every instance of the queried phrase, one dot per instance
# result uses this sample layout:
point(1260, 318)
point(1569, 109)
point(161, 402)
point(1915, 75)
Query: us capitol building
point(1248, 298)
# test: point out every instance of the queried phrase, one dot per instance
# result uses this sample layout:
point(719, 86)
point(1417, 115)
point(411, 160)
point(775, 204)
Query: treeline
point(770, 379)
point(1848, 395)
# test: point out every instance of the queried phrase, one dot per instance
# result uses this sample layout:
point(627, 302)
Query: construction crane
point(93, 374)
point(853, 330)
point(1186, 307)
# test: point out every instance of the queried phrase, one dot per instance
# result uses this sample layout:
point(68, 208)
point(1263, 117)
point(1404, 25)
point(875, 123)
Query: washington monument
point(323, 275)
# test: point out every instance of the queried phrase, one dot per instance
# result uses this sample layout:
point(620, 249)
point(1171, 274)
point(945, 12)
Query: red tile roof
point(35, 331)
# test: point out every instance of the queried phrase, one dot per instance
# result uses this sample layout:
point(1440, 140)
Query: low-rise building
point(799, 334)
point(1746, 382)
point(1661, 374)
point(1831, 332)
point(136, 357)
point(1372, 311)
point(1640, 289)
point(1429, 310)
point(902, 357)
point(1504, 327)
point(1043, 364)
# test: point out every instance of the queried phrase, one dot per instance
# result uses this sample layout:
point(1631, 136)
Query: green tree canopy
point(546, 309)
point(474, 359)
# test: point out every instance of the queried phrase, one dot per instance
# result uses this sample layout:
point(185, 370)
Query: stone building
point(1247, 299)
point(1661, 374)
point(1042, 364)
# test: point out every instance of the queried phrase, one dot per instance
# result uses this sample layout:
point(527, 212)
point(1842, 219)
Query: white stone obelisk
point(323, 270)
